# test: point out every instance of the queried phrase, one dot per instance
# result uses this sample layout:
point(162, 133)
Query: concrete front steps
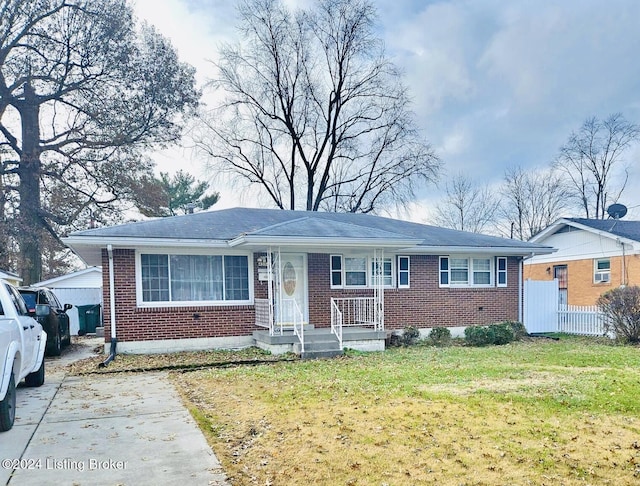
point(320, 342)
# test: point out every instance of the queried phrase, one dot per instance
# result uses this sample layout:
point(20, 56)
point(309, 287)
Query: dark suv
point(44, 306)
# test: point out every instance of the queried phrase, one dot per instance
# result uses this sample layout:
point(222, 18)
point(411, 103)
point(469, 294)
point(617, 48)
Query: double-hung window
point(355, 271)
point(361, 271)
point(170, 278)
point(382, 270)
point(501, 271)
point(466, 271)
point(403, 272)
point(601, 270)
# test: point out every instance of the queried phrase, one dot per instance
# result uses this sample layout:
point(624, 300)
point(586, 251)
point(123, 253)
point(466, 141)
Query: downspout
point(520, 289)
point(112, 310)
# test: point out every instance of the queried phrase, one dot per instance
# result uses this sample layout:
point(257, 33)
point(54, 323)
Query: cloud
point(494, 83)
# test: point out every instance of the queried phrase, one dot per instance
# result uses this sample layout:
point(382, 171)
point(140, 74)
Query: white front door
point(291, 288)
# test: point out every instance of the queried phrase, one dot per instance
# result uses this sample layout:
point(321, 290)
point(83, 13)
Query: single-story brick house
point(594, 255)
point(218, 279)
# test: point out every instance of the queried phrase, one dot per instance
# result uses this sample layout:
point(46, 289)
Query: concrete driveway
point(123, 429)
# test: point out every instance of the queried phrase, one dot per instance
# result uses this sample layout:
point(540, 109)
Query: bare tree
point(531, 201)
point(466, 206)
point(83, 91)
point(593, 157)
point(315, 114)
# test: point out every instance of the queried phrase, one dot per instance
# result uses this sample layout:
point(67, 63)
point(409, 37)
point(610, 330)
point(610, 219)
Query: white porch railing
point(587, 320)
point(290, 317)
point(264, 314)
point(359, 311)
point(295, 313)
point(336, 321)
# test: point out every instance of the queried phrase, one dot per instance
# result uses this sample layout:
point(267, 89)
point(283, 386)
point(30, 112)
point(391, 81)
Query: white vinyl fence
point(587, 320)
point(543, 313)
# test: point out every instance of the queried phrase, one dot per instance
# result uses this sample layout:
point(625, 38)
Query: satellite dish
point(617, 211)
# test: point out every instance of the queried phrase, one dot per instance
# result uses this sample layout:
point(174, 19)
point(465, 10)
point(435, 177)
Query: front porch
point(320, 342)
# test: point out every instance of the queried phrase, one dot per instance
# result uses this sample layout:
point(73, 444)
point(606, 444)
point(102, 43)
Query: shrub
point(501, 333)
point(440, 336)
point(410, 335)
point(477, 336)
point(621, 306)
point(519, 331)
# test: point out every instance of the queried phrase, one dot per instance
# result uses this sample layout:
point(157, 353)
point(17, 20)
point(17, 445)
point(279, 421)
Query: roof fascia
point(556, 226)
point(549, 230)
point(45, 283)
point(129, 242)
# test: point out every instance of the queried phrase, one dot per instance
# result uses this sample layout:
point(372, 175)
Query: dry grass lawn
point(541, 413)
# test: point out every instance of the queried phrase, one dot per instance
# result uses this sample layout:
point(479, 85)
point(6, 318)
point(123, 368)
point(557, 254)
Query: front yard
point(540, 412)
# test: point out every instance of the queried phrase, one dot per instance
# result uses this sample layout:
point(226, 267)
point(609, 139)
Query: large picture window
point(194, 278)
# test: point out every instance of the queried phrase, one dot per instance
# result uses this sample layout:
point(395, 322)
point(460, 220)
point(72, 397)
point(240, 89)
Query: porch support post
point(378, 288)
point(270, 291)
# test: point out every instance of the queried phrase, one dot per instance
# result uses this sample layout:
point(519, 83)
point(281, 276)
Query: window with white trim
point(351, 271)
point(466, 271)
point(387, 272)
point(355, 271)
point(194, 278)
point(336, 270)
point(481, 271)
point(501, 271)
point(459, 271)
point(403, 272)
point(602, 270)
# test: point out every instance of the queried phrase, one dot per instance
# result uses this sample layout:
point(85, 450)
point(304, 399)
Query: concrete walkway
point(124, 429)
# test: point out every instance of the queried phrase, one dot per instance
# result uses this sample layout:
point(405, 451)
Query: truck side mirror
point(67, 307)
point(42, 310)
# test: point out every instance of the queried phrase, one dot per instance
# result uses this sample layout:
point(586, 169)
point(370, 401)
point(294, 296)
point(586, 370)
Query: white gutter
point(130, 242)
point(112, 293)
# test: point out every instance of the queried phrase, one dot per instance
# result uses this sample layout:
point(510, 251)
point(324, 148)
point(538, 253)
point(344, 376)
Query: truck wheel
point(8, 406)
point(67, 340)
point(56, 346)
point(37, 377)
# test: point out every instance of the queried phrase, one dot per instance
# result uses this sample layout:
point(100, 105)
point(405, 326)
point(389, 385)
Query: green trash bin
point(89, 318)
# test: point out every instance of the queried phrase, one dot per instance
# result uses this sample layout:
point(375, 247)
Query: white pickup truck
point(22, 344)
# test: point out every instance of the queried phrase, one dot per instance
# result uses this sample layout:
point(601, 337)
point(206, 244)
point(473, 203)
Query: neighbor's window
point(466, 271)
point(194, 278)
point(602, 270)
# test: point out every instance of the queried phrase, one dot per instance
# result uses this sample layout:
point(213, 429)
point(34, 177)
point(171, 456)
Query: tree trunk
point(29, 224)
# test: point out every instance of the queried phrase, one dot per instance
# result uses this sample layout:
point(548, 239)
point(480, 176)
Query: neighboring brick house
point(594, 255)
point(211, 279)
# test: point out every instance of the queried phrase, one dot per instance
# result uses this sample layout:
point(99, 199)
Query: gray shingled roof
point(617, 227)
point(228, 224)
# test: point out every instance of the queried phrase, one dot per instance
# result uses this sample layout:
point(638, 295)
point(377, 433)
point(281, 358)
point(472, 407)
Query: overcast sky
point(495, 83)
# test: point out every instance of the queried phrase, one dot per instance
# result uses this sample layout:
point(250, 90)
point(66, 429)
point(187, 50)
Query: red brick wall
point(424, 304)
point(142, 324)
